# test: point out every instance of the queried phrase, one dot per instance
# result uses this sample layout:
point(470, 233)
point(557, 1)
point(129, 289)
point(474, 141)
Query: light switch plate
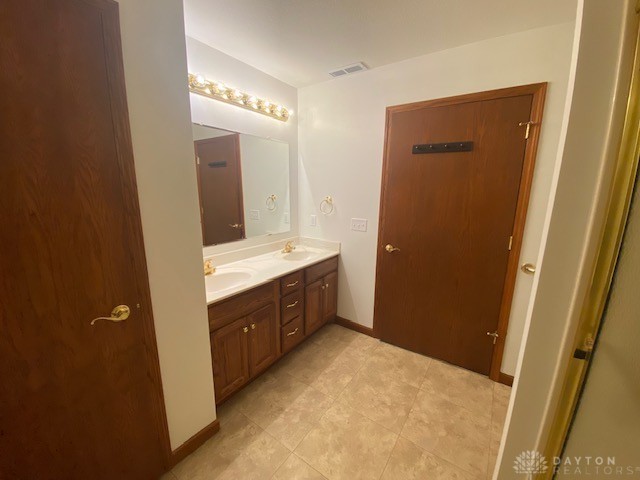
point(314, 220)
point(359, 224)
point(254, 214)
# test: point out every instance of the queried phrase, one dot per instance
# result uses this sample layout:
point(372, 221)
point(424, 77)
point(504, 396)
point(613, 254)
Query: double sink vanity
point(260, 307)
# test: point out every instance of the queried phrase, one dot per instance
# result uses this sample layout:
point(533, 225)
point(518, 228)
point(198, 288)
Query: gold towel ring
point(326, 206)
point(271, 202)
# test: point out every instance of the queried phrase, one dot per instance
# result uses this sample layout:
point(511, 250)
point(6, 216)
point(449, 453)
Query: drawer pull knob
point(292, 333)
point(324, 286)
point(253, 326)
point(291, 305)
point(292, 284)
point(245, 329)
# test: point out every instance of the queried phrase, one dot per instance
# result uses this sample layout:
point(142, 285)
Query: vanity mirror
point(243, 185)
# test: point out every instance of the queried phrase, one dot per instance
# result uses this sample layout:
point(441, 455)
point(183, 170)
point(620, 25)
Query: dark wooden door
point(220, 178)
point(313, 315)
point(451, 215)
point(330, 297)
point(230, 351)
point(264, 347)
point(76, 401)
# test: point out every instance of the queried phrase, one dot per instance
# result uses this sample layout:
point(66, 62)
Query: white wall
point(601, 63)
point(215, 65)
point(155, 68)
point(341, 125)
point(265, 172)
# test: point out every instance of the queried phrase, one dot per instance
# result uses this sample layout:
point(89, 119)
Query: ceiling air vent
point(349, 69)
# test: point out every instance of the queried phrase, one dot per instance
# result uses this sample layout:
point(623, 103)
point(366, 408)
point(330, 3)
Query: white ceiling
point(300, 41)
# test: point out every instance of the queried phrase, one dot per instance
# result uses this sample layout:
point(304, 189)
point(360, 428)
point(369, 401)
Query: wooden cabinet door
point(263, 327)
point(313, 315)
point(330, 297)
point(229, 348)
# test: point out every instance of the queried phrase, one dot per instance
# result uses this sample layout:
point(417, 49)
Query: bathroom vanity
point(285, 298)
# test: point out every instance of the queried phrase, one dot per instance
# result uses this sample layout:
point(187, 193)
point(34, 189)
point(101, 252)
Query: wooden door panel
point(313, 318)
point(330, 297)
point(230, 352)
point(451, 215)
point(76, 401)
point(264, 347)
point(219, 174)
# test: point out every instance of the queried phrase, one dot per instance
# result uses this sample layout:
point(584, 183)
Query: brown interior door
point(450, 215)
point(230, 351)
point(264, 348)
point(76, 401)
point(219, 174)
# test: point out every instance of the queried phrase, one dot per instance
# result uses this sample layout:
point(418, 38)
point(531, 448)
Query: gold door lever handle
point(118, 314)
point(236, 225)
point(528, 268)
point(390, 248)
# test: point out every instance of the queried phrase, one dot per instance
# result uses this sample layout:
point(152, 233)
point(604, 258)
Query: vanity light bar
point(218, 91)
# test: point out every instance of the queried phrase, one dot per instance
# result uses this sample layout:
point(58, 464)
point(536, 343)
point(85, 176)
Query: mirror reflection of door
point(220, 186)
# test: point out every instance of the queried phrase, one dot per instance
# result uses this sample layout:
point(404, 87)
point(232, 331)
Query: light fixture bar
point(218, 91)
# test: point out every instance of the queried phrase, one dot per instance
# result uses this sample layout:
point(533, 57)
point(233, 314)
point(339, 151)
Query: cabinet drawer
point(292, 282)
point(315, 272)
point(292, 306)
point(292, 334)
point(240, 305)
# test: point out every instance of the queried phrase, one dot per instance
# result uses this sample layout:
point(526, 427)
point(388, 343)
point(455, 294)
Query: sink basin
point(226, 279)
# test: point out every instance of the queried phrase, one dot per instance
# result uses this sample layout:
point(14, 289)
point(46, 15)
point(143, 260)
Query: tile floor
point(346, 406)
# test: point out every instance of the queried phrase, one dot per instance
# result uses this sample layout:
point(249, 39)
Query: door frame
point(538, 91)
point(611, 235)
point(126, 160)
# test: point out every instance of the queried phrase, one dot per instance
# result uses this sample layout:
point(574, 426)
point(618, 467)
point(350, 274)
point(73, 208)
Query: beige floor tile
point(462, 387)
point(410, 462)
point(295, 468)
point(168, 476)
point(450, 432)
point(333, 333)
point(388, 361)
point(240, 450)
point(285, 407)
point(386, 402)
point(499, 409)
point(494, 447)
point(347, 445)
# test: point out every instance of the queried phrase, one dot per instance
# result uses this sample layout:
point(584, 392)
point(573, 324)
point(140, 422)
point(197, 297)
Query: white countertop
point(261, 269)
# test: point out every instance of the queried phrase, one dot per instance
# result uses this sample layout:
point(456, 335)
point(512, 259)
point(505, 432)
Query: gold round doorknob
point(528, 268)
point(390, 248)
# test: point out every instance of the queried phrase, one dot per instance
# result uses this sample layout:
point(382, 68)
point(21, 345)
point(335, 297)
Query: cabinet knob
point(245, 329)
point(253, 326)
point(324, 286)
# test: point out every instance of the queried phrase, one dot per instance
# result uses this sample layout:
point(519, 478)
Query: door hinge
point(197, 160)
point(528, 125)
point(510, 242)
point(494, 335)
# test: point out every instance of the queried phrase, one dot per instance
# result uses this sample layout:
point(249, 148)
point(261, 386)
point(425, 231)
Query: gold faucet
point(209, 269)
point(288, 248)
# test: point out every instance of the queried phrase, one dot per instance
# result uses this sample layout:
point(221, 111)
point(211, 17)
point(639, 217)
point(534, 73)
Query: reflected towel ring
point(326, 206)
point(271, 202)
